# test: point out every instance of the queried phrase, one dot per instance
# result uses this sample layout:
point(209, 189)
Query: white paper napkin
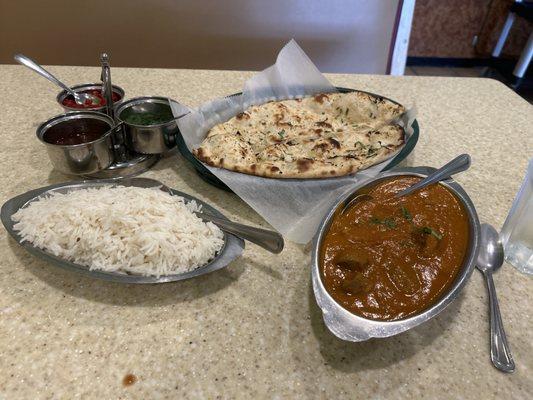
point(294, 207)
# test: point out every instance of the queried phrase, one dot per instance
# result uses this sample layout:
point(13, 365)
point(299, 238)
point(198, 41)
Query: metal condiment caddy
point(126, 162)
point(127, 148)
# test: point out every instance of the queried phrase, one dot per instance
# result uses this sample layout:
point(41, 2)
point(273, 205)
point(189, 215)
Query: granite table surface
point(253, 330)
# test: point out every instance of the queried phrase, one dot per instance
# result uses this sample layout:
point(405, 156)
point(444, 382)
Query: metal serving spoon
point(80, 98)
point(458, 164)
point(267, 239)
point(489, 259)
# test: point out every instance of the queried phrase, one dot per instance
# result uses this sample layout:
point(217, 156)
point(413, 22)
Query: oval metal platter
point(232, 248)
point(207, 176)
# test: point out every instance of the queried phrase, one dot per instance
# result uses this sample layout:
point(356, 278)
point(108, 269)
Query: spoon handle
point(269, 240)
point(500, 353)
point(28, 62)
point(458, 164)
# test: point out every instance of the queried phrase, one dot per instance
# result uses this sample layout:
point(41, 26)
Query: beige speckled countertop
point(253, 329)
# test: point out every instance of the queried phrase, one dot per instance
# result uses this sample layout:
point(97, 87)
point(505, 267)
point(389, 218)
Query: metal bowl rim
point(388, 328)
point(42, 128)
point(144, 99)
point(61, 95)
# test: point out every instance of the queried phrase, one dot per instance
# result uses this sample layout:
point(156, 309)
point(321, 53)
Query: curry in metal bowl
point(387, 258)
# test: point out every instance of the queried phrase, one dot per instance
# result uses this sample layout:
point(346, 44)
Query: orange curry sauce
point(388, 258)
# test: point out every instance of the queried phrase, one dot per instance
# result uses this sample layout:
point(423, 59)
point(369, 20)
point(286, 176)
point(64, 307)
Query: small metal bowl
point(84, 158)
point(347, 326)
point(147, 139)
point(88, 86)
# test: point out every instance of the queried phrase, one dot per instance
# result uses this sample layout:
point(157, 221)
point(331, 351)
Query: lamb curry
point(388, 258)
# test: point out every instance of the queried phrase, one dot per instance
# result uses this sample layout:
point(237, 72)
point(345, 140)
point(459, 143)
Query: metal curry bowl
point(88, 86)
point(348, 326)
point(147, 139)
point(84, 158)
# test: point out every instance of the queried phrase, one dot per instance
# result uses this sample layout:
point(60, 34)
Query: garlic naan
point(326, 135)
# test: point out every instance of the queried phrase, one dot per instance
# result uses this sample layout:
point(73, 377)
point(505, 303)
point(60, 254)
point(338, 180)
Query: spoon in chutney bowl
point(489, 260)
point(79, 97)
point(458, 164)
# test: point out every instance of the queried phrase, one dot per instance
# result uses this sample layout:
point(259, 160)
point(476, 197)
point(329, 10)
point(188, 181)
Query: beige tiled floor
point(464, 72)
point(445, 71)
point(409, 71)
point(470, 72)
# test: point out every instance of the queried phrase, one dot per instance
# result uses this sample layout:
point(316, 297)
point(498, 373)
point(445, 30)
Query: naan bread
point(326, 135)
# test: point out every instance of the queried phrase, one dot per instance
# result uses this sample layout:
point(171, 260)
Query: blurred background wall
point(339, 35)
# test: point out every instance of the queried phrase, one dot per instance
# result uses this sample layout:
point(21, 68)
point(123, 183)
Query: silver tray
point(387, 164)
point(353, 328)
point(232, 248)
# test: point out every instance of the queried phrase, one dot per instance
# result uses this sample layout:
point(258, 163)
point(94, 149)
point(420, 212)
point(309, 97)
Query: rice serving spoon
point(267, 239)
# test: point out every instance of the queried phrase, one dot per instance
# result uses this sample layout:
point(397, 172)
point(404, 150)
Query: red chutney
point(389, 258)
point(70, 102)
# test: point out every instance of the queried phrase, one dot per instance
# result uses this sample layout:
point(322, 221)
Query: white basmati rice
point(128, 229)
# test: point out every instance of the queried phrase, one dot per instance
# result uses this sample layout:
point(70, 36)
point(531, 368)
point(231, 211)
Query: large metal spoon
point(267, 239)
point(80, 98)
point(458, 164)
point(489, 259)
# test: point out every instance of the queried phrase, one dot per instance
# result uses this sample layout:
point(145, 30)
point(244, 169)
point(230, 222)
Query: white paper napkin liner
point(294, 207)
